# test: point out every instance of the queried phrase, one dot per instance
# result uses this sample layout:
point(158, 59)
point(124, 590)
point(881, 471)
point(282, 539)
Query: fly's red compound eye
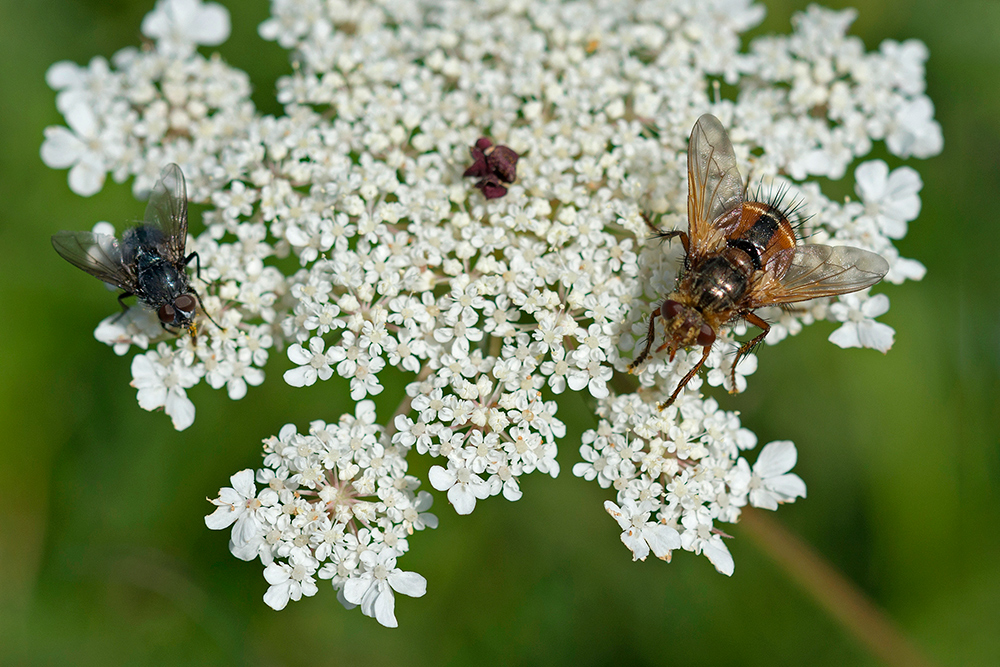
point(670, 309)
point(185, 303)
point(706, 336)
point(166, 313)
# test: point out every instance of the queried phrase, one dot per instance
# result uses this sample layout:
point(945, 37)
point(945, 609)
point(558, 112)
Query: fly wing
point(818, 270)
point(714, 185)
point(167, 211)
point(97, 254)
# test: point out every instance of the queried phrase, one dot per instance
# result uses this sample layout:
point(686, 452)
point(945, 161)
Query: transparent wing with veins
point(167, 211)
point(817, 270)
point(714, 185)
point(98, 254)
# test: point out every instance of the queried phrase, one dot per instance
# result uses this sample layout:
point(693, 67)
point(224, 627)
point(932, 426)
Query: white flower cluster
point(154, 107)
point(336, 503)
point(494, 307)
point(682, 466)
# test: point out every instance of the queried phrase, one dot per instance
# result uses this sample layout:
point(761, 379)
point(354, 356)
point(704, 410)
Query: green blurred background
point(105, 559)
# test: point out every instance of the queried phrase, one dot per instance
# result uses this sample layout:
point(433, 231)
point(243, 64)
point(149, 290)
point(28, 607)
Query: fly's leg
point(748, 346)
point(650, 336)
point(673, 233)
point(649, 223)
point(666, 236)
point(197, 273)
point(202, 304)
point(197, 261)
point(687, 378)
point(123, 295)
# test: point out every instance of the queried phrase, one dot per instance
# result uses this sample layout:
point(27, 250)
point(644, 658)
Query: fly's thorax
point(720, 281)
point(160, 282)
point(139, 243)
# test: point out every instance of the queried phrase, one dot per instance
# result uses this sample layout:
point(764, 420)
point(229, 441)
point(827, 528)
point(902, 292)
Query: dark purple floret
point(479, 168)
point(493, 165)
point(491, 188)
point(502, 162)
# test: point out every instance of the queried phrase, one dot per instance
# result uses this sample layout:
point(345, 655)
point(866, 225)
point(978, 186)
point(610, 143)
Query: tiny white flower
point(78, 86)
point(179, 25)
point(641, 535)
point(913, 130)
point(313, 364)
point(464, 487)
point(136, 326)
point(723, 374)
point(241, 507)
point(771, 483)
point(161, 378)
point(904, 269)
point(84, 150)
point(699, 539)
point(373, 588)
point(290, 581)
point(860, 328)
point(242, 373)
point(891, 198)
point(365, 381)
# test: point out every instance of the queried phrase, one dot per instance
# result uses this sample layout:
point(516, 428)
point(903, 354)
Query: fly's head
point(179, 313)
point(685, 326)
